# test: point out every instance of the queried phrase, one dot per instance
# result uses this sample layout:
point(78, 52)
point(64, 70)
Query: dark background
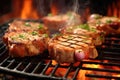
point(5, 6)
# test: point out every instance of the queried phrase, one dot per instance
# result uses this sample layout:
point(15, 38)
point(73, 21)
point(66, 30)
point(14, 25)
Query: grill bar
point(102, 76)
point(54, 69)
point(18, 66)
point(105, 70)
point(27, 67)
point(101, 63)
point(46, 67)
point(76, 72)
point(109, 58)
point(112, 53)
point(68, 70)
point(12, 62)
point(36, 68)
point(4, 61)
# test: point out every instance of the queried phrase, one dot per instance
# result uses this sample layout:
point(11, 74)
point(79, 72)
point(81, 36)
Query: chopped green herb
point(108, 21)
point(45, 35)
point(93, 29)
point(40, 26)
point(21, 36)
point(13, 38)
point(34, 33)
point(69, 14)
point(97, 16)
point(69, 29)
point(49, 14)
point(98, 22)
point(101, 37)
point(70, 37)
point(57, 34)
point(84, 26)
point(27, 24)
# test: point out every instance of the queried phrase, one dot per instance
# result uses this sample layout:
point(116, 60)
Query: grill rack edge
point(6, 62)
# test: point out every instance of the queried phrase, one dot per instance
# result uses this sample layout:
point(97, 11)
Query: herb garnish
point(93, 29)
point(97, 16)
point(49, 14)
point(101, 37)
point(98, 22)
point(34, 33)
point(108, 21)
point(84, 26)
point(40, 26)
point(27, 24)
point(45, 35)
point(57, 34)
point(69, 14)
point(21, 36)
point(13, 38)
point(70, 37)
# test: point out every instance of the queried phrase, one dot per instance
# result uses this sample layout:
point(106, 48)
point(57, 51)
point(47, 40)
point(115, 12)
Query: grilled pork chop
point(71, 47)
point(110, 25)
point(86, 30)
point(26, 40)
point(55, 22)
point(25, 26)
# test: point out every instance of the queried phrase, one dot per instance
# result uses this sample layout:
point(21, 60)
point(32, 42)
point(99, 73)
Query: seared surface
point(63, 48)
point(19, 25)
point(110, 25)
point(56, 22)
point(86, 30)
point(26, 38)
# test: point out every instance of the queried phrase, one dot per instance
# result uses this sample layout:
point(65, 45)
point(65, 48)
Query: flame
point(60, 72)
point(54, 9)
point(57, 7)
point(28, 11)
point(82, 73)
point(113, 9)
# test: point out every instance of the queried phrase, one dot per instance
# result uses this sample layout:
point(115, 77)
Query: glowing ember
point(28, 11)
point(92, 69)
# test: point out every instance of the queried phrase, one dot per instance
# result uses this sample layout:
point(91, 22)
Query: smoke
point(76, 6)
point(43, 6)
point(75, 9)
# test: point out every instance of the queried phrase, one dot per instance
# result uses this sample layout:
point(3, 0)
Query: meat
point(71, 47)
point(25, 26)
point(56, 22)
point(109, 25)
point(26, 40)
point(86, 30)
point(76, 41)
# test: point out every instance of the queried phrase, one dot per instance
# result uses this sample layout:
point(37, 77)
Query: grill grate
point(38, 67)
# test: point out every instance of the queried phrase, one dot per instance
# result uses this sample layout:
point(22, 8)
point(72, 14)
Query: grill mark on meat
point(70, 42)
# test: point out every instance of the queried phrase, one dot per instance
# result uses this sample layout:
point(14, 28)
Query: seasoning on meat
point(71, 48)
point(26, 38)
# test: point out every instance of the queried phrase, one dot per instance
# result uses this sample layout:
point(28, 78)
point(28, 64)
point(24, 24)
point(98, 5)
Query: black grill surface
point(37, 67)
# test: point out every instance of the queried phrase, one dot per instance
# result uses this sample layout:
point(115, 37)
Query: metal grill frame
point(12, 66)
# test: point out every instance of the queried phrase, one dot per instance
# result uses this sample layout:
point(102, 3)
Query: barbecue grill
point(36, 67)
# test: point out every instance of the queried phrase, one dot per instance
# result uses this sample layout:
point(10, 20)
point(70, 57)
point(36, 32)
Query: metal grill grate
point(39, 67)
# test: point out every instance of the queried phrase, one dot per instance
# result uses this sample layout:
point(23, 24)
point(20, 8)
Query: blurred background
point(35, 9)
